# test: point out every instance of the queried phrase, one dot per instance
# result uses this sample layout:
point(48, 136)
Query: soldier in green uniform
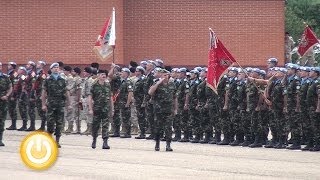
point(147, 102)
point(37, 90)
point(138, 93)
point(5, 91)
point(125, 99)
point(176, 119)
point(163, 92)
point(101, 106)
point(12, 105)
point(31, 75)
point(292, 86)
point(22, 97)
point(183, 113)
point(302, 106)
point(115, 82)
point(313, 100)
point(55, 92)
point(230, 107)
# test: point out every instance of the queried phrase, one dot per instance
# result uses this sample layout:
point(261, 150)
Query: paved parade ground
point(136, 159)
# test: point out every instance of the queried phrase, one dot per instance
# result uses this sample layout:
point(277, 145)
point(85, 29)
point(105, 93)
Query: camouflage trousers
point(163, 124)
point(116, 120)
point(295, 124)
point(280, 124)
point(23, 107)
point(88, 117)
point(125, 114)
point(214, 116)
point(194, 118)
point(150, 117)
point(72, 115)
point(246, 125)
point(237, 124)
point(256, 126)
point(31, 110)
point(134, 116)
point(41, 113)
point(100, 117)
point(224, 121)
point(184, 121)
point(273, 125)
point(205, 123)
point(264, 119)
point(3, 115)
point(315, 118)
point(141, 114)
point(55, 118)
point(12, 106)
point(307, 128)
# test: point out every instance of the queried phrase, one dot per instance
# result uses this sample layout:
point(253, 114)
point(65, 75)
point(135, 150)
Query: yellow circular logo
point(38, 150)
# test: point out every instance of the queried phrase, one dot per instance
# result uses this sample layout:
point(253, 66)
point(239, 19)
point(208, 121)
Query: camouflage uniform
point(184, 114)
point(272, 120)
point(56, 90)
point(68, 113)
point(205, 124)
point(74, 86)
point(85, 93)
point(223, 115)
point(12, 105)
point(253, 114)
point(312, 99)
point(134, 114)
point(5, 85)
point(163, 104)
point(22, 97)
point(293, 121)
point(304, 114)
point(101, 96)
point(194, 114)
point(37, 90)
point(149, 104)
point(116, 122)
point(31, 99)
point(125, 112)
point(277, 99)
point(231, 114)
point(138, 94)
point(176, 118)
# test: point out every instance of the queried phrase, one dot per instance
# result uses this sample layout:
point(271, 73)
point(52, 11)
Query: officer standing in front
point(55, 92)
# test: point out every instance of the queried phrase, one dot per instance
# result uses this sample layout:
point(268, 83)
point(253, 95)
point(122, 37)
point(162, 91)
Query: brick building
point(174, 30)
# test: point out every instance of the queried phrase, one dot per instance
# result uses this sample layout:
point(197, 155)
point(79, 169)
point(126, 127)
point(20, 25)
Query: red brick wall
point(55, 30)
point(175, 30)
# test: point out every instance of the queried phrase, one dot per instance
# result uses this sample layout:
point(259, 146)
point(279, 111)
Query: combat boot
point(105, 144)
point(58, 141)
point(13, 125)
point(157, 147)
point(216, 139)
point(271, 144)
point(225, 140)
point(185, 137)
point(150, 137)
point(24, 126)
point(88, 131)
point(295, 146)
point(168, 147)
point(142, 135)
point(70, 128)
point(308, 146)
point(116, 133)
point(256, 143)
point(206, 139)
point(281, 144)
point(42, 127)
point(1, 143)
point(32, 126)
point(94, 143)
point(196, 139)
point(315, 148)
point(177, 136)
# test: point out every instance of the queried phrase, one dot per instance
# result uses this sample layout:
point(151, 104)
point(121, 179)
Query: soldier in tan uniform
point(289, 45)
point(75, 95)
point(88, 81)
point(68, 112)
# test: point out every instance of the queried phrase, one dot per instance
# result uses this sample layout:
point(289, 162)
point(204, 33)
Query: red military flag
point(308, 39)
point(106, 41)
point(219, 61)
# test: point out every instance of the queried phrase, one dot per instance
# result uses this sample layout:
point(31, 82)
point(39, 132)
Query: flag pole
point(113, 54)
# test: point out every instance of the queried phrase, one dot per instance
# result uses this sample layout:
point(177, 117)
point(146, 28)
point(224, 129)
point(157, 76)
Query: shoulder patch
point(23, 77)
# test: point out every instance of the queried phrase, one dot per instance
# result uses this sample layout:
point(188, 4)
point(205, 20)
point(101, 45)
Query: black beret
point(94, 71)
point(88, 70)
point(77, 70)
point(60, 64)
point(67, 68)
point(132, 69)
point(95, 65)
point(103, 71)
point(133, 64)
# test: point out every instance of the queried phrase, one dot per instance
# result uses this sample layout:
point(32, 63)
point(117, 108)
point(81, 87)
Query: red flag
point(308, 39)
point(219, 61)
point(105, 43)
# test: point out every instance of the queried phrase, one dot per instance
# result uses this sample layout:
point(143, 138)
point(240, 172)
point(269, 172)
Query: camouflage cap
point(303, 68)
point(274, 60)
point(316, 69)
point(31, 63)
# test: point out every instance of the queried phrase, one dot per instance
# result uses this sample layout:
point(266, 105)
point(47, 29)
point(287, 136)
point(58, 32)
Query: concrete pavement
point(136, 159)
